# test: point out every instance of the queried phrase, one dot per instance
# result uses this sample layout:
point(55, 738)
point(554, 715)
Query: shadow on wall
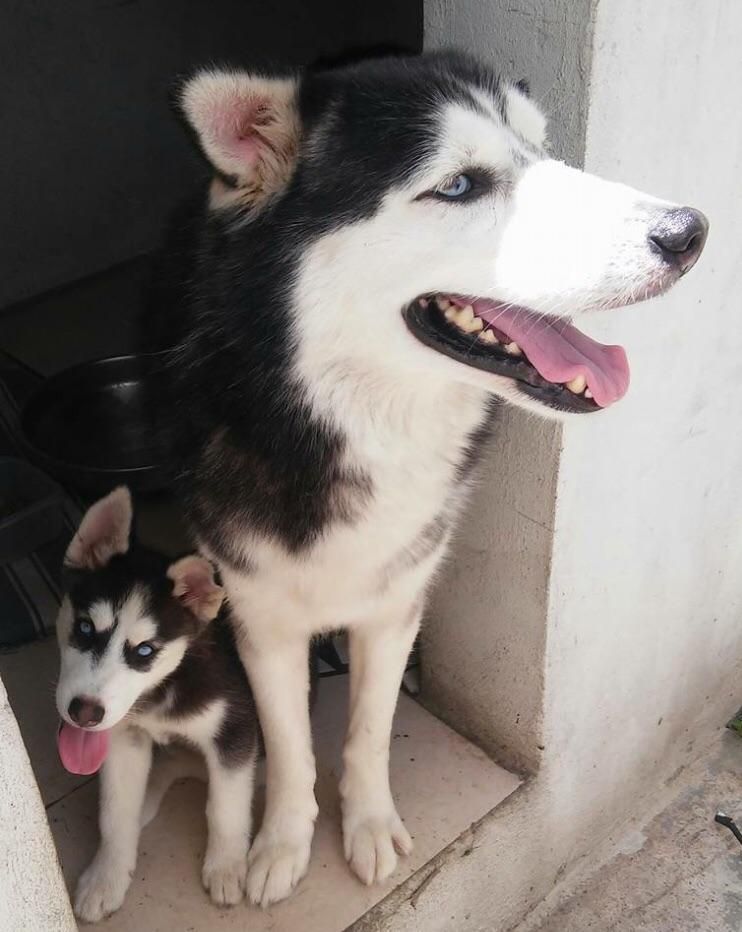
point(94, 159)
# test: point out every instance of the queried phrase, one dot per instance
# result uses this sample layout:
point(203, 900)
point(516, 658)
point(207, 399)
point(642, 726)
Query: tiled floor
point(442, 784)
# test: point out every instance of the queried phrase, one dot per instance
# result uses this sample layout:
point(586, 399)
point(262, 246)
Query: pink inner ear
point(194, 586)
point(246, 148)
point(195, 581)
point(236, 126)
point(103, 532)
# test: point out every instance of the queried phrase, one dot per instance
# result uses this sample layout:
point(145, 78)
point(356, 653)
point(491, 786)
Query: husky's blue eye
point(85, 627)
point(145, 650)
point(457, 186)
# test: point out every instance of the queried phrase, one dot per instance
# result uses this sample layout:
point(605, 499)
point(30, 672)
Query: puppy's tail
point(169, 767)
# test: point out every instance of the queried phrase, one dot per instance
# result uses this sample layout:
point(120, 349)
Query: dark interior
point(93, 162)
point(93, 159)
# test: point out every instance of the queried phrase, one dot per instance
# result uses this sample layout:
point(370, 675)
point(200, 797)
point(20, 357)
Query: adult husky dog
point(383, 250)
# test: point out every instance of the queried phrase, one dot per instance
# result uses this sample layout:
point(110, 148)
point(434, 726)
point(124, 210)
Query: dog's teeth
point(577, 384)
point(513, 349)
point(588, 393)
point(467, 321)
point(487, 336)
point(443, 303)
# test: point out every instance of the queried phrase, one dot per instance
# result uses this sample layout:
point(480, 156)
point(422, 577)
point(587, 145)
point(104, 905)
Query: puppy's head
point(124, 627)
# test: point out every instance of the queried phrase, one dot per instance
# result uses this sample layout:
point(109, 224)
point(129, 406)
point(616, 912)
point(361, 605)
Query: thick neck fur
point(396, 422)
point(280, 432)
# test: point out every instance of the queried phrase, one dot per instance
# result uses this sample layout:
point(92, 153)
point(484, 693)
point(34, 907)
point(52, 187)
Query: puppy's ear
point(103, 532)
point(194, 587)
point(247, 126)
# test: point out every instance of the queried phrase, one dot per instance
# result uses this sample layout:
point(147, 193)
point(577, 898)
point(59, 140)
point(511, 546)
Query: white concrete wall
point(33, 897)
point(494, 590)
point(642, 624)
point(645, 620)
point(544, 41)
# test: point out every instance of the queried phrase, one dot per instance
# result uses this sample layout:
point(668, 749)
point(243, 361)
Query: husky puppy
point(147, 658)
point(384, 250)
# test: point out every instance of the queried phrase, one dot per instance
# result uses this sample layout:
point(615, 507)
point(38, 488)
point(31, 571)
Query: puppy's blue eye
point(457, 186)
point(85, 627)
point(145, 650)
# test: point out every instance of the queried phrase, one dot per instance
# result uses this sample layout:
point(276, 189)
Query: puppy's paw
point(224, 877)
point(101, 889)
point(278, 859)
point(372, 843)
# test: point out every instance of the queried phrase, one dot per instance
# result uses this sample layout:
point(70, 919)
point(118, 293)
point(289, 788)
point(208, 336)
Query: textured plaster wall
point(545, 41)
point(641, 625)
point(645, 621)
point(33, 897)
point(494, 591)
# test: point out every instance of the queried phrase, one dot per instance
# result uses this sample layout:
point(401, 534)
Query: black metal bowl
point(91, 426)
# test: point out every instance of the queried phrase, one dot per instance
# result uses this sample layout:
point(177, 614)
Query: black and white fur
point(324, 452)
point(191, 688)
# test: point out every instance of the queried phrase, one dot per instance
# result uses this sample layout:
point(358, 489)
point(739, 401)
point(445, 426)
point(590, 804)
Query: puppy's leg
point(277, 663)
point(123, 783)
point(229, 816)
point(373, 833)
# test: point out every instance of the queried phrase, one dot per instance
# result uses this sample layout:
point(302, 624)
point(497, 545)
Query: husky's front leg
point(373, 832)
point(229, 816)
point(277, 663)
point(123, 783)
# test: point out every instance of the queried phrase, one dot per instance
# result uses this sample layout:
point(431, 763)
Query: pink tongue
point(560, 352)
point(82, 751)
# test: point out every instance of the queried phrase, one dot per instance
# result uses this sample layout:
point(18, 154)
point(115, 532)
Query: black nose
point(85, 711)
point(679, 234)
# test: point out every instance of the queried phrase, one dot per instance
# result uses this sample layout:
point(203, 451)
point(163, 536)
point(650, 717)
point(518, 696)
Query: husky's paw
point(101, 889)
point(372, 843)
point(224, 878)
point(277, 862)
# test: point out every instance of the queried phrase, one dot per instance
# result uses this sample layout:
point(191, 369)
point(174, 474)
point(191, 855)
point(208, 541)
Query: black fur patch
point(477, 442)
point(96, 642)
point(210, 670)
point(113, 583)
point(252, 458)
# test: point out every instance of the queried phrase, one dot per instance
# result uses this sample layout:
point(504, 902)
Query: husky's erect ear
point(247, 126)
point(103, 532)
point(524, 115)
point(194, 587)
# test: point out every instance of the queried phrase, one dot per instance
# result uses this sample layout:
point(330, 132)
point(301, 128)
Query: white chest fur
point(198, 729)
point(360, 569)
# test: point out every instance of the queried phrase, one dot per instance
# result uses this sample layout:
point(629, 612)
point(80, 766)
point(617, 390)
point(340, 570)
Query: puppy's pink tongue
point(82, 751)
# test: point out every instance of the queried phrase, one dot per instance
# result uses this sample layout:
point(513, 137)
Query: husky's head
point(124, 626)
point(412, 224)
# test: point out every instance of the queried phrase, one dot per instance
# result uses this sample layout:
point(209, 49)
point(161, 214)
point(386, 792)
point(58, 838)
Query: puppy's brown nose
point(85, 711)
